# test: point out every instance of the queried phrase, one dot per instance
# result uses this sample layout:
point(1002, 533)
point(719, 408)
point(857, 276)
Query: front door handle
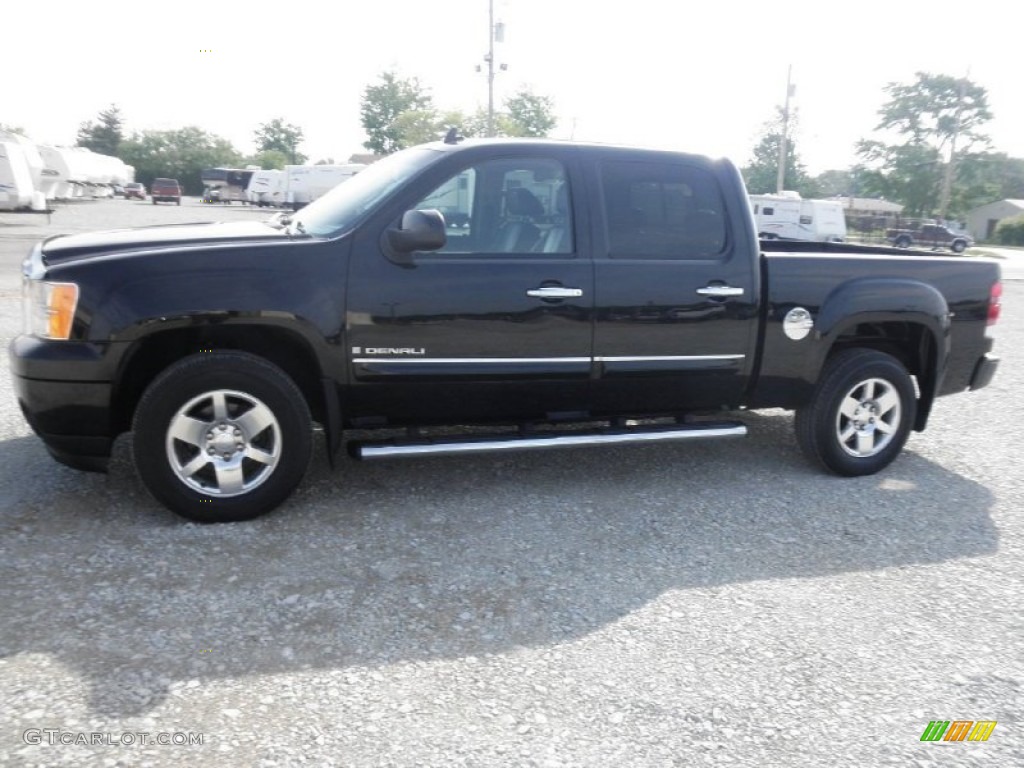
point(720, 291)
point(554, 292)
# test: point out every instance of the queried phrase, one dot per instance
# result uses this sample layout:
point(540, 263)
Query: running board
point(473, 444)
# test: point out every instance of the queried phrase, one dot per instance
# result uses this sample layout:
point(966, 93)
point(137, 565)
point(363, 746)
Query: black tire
point(958, 246)
point(154, 201)
point(263, 428)
point(903, 241)
point(179, 201)
point(859, 391)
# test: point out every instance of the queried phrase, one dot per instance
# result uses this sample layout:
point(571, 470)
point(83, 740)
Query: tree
point(15, 129)
point(933, 118)
point(761, 173)
point(835, 183)
point(934, 109)
point(269, 159)
point(104, 135)
point(529, 114)
point(282, 137)
point(381, 106)
point(906, 173)
point(180, 154)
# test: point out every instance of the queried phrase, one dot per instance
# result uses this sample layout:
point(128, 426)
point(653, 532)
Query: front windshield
point(344, 206)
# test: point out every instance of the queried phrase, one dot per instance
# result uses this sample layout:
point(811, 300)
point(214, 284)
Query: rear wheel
point(861, 414)
point(222, 436)
point(903, 241)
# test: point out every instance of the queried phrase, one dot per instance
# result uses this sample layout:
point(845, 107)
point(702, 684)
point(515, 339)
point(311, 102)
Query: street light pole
point(780, 176)
point(490, 68)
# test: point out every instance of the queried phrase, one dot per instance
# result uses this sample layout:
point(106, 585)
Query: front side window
point(506, 206)
point(662, 211)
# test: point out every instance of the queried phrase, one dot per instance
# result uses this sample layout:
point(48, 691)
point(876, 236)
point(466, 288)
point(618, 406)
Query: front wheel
point(958, 246)
point(222, 437)
point(861, 414)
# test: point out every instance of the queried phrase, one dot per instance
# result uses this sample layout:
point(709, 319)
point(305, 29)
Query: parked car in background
point(134, 191)
point(166, 190)
point(931, 235)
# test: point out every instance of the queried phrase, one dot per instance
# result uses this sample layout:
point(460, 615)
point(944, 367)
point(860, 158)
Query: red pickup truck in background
point(934, 235)
point(167, 190)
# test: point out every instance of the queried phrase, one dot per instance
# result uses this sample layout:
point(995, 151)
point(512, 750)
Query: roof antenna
point(452, 137)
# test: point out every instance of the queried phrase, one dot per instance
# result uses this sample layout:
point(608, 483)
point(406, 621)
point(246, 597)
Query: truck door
point(677, 295)
point(497, 324)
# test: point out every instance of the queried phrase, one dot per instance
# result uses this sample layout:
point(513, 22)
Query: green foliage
point(1011, 231)
point(399, 113)
point(925, 111)
point(179, 154)
point(269, 159)
point(529, 114)
point(761, 172)
point(383, 104)
point(282, 137)
point(926, 115)
point(104, 135)
point(910, 174)
point(836, 183)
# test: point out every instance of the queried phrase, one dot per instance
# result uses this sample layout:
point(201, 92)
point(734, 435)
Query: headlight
point(49, 308)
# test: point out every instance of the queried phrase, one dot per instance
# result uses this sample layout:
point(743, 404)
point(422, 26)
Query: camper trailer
point(306, 183)
point(789, 217)
point(225, 185)
point(16, 189)
point(267, 188)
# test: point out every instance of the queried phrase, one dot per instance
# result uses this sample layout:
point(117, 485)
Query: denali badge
point(389, 351)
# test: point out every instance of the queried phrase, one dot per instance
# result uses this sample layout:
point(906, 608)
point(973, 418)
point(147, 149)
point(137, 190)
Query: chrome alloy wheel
point(868, 418)
point(223, 443)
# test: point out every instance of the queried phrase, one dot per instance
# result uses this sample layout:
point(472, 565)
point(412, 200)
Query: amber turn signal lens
point(60, 309)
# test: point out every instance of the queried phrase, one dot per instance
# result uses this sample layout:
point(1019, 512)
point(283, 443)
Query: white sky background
point(694, 76)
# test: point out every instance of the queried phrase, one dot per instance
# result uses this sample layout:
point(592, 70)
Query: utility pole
point(780, 177)
point(947, 180)
point(490, 67)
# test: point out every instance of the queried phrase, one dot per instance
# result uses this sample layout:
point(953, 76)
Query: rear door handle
point(554, 292)
point(720, 291)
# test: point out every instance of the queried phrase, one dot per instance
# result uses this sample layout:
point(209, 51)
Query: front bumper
point(984, 370)
point(61, 400)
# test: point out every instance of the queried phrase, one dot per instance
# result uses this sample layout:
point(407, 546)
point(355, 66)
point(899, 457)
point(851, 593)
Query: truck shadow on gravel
point(443, 558)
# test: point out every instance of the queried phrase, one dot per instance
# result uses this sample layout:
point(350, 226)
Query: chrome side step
point(474, 444)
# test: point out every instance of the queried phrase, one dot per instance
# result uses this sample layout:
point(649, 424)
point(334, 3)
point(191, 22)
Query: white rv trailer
point(790, 217)
point(16, 188)
point(267, 188)
point(306, 183)
point(56, 179)
point(224, 185)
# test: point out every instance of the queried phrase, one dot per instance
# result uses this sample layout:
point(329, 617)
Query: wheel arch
point(148, 356)
point(906, 319)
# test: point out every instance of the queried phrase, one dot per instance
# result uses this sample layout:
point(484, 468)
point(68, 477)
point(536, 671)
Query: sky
point(699, 77)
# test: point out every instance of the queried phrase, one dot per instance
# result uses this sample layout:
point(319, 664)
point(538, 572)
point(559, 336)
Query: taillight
point(995, 302)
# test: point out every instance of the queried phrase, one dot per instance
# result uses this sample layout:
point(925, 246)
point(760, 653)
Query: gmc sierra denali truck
point(591, 295)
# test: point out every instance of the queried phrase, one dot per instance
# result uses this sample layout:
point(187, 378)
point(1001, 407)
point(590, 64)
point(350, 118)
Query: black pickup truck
point(593, 295)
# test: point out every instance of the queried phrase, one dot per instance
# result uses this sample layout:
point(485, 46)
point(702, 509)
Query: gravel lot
point(720, 604)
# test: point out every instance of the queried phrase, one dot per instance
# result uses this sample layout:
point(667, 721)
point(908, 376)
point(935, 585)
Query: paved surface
point(720, 604)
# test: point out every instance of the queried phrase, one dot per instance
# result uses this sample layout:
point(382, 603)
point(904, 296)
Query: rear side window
point(662, 211)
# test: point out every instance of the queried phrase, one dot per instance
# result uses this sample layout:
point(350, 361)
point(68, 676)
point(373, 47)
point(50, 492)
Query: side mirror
point(420, 231)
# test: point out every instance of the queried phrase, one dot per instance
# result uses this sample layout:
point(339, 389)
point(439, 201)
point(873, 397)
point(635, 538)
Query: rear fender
point(866, 301)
